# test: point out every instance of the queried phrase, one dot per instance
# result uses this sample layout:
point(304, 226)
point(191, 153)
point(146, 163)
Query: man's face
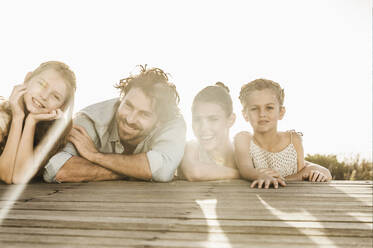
point(135, 117)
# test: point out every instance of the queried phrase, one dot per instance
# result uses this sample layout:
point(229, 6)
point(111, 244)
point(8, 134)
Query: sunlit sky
point(320, 51)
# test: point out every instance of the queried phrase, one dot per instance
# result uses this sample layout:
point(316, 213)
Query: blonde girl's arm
point(297, 142)
point(308, 172)
point(195, 170)
point(26, 166)
point(315, 167)
point(259, 177)
point(242, 156)
point(8, 156)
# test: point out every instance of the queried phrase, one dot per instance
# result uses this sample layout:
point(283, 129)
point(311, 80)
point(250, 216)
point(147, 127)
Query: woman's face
point(45, 92)
point(211, 125)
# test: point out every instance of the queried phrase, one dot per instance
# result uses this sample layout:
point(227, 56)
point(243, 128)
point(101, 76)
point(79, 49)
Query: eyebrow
point(271, 103)
point(205, 116)
point(54, 92)
point(58, 94)
point(128, 102)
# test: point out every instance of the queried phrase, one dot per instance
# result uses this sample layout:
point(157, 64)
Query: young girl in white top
point(211, 156)
point(269, 156)
point(27, 138)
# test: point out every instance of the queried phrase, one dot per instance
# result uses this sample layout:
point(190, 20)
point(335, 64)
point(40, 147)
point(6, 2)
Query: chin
point(208, 146)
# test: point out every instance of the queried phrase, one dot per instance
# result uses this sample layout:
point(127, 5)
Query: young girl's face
point(211, 125)
point(263, 110)
point(45, 92)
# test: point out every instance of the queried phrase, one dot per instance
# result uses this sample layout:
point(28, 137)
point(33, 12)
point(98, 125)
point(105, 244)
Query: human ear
point(28, 77)
point(282, 112)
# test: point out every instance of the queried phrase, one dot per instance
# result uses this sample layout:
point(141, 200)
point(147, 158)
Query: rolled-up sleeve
point(56, 162)
point(167, 150)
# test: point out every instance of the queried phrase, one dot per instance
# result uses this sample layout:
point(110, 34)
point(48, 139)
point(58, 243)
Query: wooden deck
point(183, 214)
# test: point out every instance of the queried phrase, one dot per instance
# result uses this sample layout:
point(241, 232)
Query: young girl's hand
point(16, 100)
point(53, 115)
point(270, 172)
point(313, 175)
point(267, 181)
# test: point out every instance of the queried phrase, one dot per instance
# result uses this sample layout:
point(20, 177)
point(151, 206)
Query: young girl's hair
point(64, 72)
point(261, 84)
point(218, 94)
point(43, 126)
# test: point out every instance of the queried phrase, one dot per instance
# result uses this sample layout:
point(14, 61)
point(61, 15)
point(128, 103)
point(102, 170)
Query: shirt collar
point(113, 133)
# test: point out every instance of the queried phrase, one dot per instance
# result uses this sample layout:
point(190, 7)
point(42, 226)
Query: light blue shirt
point(164, 146)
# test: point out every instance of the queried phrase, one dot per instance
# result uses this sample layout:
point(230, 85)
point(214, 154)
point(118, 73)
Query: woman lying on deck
point(211, 156)
point(29, 130)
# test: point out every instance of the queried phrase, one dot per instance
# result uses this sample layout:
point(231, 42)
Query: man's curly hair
point(154, 83)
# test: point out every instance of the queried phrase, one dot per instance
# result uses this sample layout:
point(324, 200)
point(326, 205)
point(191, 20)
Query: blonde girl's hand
point(16, 100)
point(270, 172)
point(266, 181)
point(314, 175)
point(53, 115)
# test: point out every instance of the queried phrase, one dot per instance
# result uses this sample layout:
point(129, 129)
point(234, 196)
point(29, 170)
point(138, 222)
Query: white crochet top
point(284, 162)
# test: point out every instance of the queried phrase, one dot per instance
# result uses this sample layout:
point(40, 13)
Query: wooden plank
point(211, 214)
point(222, 242)
point(186, 236)
point(118, 206)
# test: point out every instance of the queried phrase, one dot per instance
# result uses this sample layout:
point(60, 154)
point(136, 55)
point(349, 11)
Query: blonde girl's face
point(211, 125)
point(45, 92)
point(263, 111)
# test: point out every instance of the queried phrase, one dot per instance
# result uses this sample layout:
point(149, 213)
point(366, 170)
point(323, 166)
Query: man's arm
point(158, 164)
point(129, 165)
point(78, 169)
point(56, 162)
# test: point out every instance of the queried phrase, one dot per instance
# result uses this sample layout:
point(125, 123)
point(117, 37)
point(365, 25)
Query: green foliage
point(353, 169)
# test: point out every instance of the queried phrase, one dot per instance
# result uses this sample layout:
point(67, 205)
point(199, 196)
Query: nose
point(203, 125)
point(131, 117)
point(262, 113)
point(44, 94)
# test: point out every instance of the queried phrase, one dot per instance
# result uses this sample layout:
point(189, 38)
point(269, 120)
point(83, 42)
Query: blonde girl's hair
point(65, 73)
point(261, 84)
point(70, 78)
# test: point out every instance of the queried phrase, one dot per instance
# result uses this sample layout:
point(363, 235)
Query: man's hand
point(267, 180)
point(83, 143)
point(312, 174)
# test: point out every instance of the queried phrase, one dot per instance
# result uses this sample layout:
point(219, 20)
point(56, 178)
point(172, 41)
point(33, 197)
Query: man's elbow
point(164, 177)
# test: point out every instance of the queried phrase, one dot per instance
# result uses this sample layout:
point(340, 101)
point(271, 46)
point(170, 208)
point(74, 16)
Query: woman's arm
point(195, 170)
